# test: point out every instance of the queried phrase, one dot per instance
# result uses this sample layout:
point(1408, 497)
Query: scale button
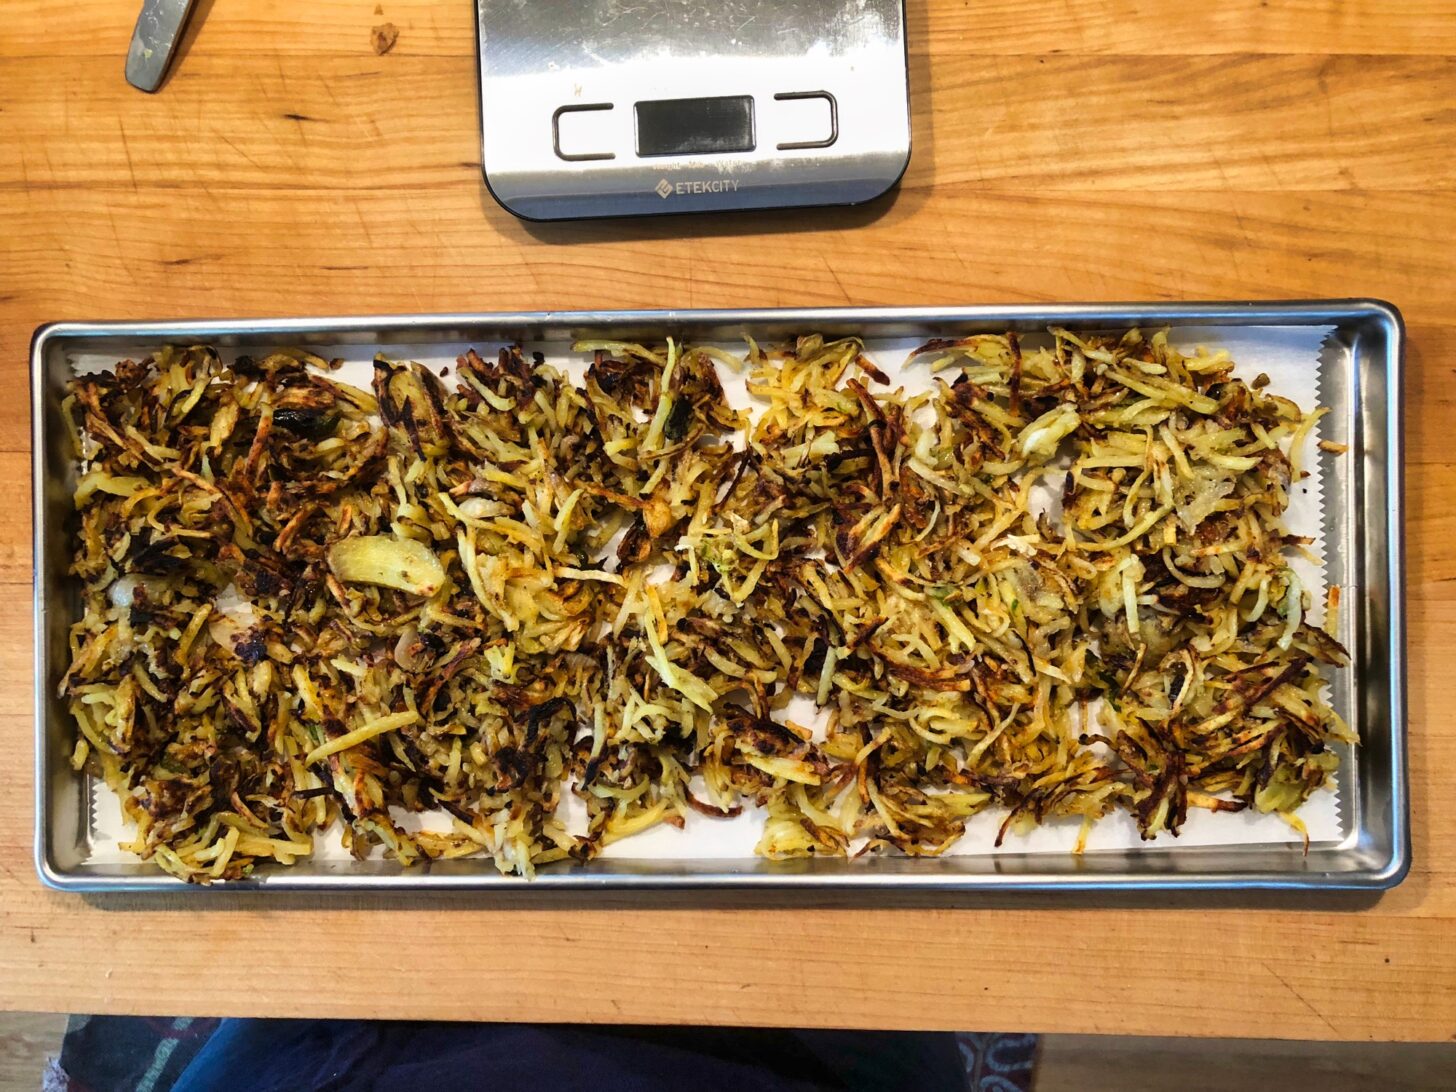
point(812, 117)
point(578, 132)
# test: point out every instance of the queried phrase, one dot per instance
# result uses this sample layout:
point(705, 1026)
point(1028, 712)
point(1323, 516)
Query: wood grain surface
point(1064, 151)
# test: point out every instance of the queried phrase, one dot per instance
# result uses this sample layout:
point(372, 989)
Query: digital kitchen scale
point(638, 107)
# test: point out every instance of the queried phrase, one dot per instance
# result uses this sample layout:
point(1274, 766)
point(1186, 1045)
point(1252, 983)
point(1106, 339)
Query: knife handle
point(158, 30)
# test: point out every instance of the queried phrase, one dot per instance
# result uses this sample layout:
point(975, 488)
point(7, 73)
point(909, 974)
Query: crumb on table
point(383, 38)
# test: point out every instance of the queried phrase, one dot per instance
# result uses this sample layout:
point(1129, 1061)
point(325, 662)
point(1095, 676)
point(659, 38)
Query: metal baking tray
point(1360, 378)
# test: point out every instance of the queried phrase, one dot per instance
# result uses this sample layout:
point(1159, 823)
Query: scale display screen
point(695, 126)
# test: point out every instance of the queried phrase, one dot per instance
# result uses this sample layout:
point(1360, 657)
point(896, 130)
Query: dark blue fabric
point(339, 1055)
point(122, 1053)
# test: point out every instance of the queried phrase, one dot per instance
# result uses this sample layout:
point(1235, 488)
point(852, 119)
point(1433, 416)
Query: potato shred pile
point(1055, 584)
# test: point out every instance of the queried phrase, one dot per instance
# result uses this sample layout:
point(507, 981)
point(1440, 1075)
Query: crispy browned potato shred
point(307, 604)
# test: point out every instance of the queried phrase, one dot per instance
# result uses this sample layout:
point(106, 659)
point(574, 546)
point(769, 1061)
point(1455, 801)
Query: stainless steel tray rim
point(1289, 312)
point(1379, 857)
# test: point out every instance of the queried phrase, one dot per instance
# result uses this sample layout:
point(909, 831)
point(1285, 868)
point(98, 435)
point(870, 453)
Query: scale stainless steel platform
point(595, 108)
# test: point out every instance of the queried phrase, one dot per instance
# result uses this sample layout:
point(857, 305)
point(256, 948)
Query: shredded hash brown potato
point(307, 604)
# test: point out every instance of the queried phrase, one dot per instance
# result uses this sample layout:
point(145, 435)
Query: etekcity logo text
point(666, 189)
